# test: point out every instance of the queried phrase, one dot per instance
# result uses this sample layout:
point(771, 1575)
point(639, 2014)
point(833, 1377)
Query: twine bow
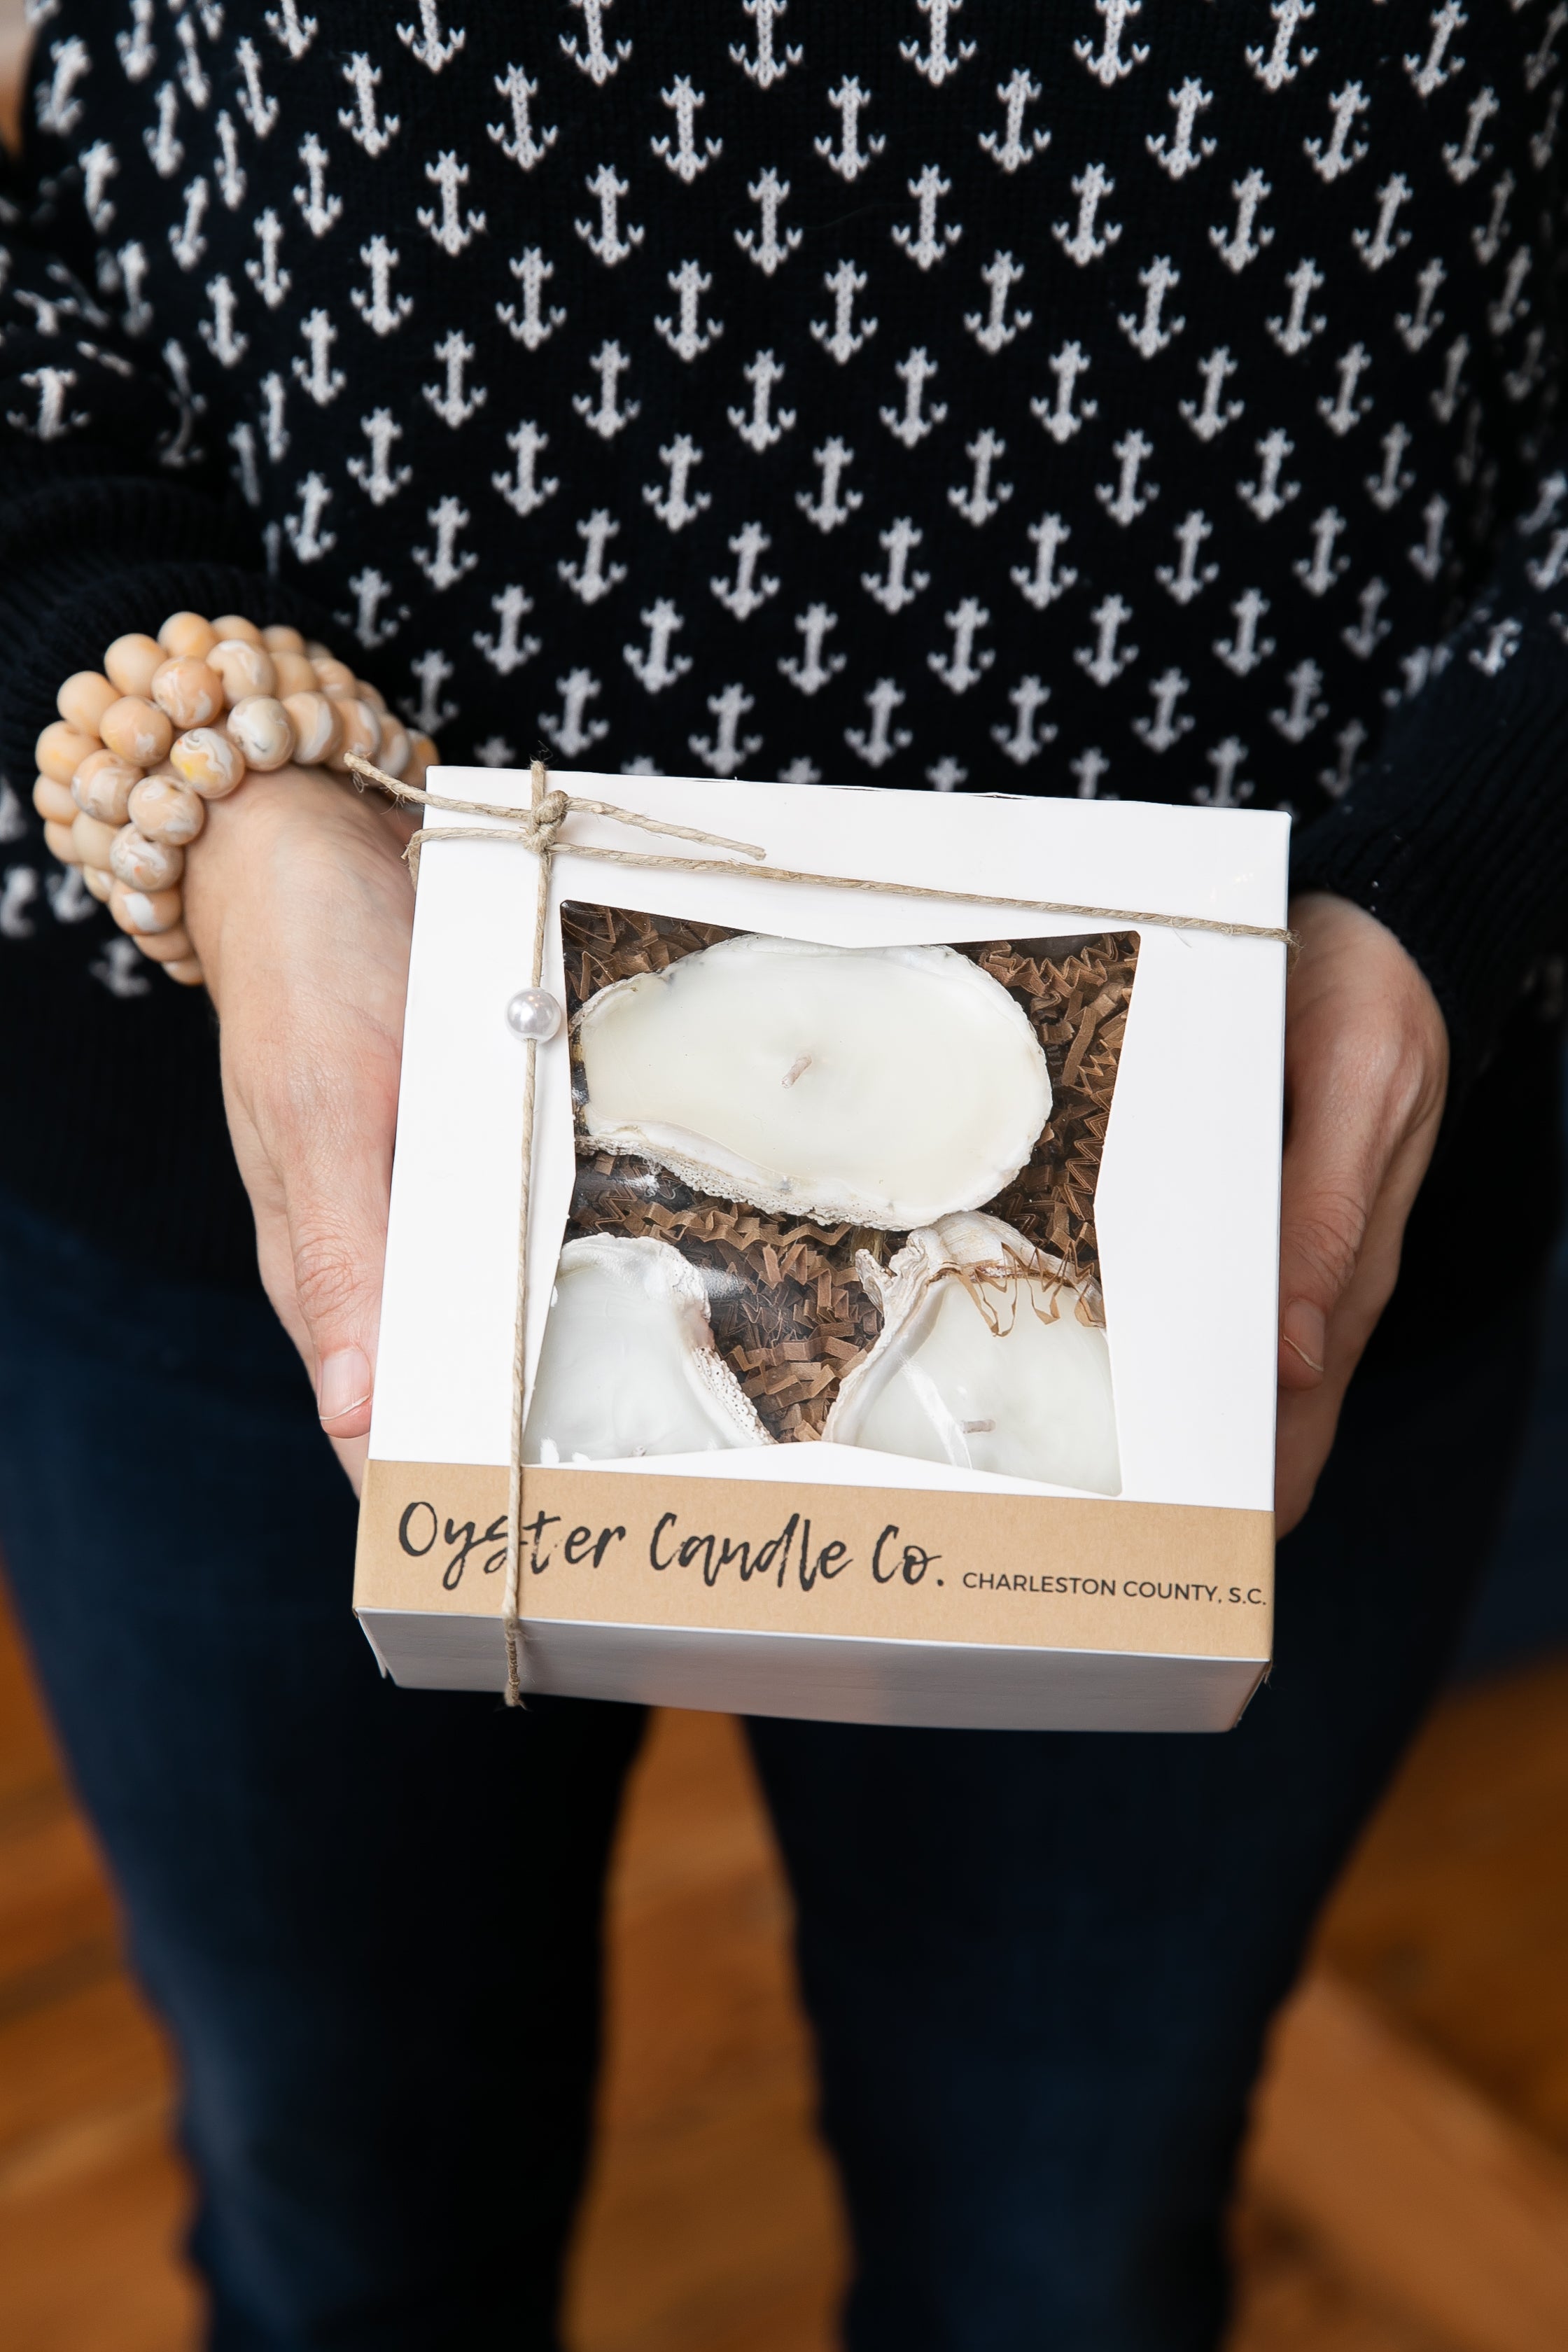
point(538, 827)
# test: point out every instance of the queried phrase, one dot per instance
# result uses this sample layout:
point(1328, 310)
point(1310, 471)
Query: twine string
point(538, 827)
point(511, 1602)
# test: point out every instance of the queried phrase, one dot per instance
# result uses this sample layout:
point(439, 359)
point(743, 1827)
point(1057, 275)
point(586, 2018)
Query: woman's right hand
point(300, 908)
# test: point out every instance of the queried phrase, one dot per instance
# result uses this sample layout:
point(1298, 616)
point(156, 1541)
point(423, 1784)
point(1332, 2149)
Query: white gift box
point(822, 1575)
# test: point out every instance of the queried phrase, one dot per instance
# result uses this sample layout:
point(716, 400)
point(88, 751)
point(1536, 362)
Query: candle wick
point(798, 1069)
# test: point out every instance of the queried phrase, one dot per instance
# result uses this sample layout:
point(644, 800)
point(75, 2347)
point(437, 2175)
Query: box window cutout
point(886, 1241)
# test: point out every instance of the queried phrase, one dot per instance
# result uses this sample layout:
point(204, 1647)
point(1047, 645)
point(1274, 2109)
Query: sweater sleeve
point(112, 515)
point(1456, 833)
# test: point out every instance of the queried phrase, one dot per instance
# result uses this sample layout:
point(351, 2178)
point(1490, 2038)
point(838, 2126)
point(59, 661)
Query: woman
point(1061, 400)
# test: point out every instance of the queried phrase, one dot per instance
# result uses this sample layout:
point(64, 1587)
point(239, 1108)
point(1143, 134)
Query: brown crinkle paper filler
point(789, 1315)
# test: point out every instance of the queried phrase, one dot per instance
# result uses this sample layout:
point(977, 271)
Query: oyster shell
point(628, 1365)
point(984, 1361)
point(883, 1087)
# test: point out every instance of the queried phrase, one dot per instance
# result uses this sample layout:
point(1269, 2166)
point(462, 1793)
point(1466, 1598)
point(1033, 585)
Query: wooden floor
point(711, 2224)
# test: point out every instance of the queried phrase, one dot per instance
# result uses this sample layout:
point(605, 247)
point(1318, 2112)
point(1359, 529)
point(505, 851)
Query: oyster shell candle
point(990, 1356)
point(876, 1086)
point(860, 1367)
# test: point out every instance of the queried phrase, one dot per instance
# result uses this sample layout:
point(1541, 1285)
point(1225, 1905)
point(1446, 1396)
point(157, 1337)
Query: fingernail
point(1305, 1332)
point(344, 1382)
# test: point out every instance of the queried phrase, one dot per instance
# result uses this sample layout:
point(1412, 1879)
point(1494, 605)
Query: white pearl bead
point(533, 1012)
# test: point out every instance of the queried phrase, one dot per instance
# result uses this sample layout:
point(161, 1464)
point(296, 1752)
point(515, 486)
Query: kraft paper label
point(1024, 1570)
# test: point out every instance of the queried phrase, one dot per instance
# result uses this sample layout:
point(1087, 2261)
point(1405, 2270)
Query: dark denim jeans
point(1038, 1966)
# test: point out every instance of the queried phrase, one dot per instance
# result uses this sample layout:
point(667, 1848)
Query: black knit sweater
point(1117, 396)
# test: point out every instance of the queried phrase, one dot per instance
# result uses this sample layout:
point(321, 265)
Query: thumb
point(318, 1174)
point(1324, 1207)
point(338, 1245)
point(320, 1196)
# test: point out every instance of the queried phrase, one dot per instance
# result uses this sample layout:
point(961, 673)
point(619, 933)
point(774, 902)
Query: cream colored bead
point(146, 911)
point(361, 733)
point(372, 695)
point(317, 651)
point(187, 970)
point(422, 757)
point(61, 751)
point(131, 661)
point(102, 785)
point(263, 731)
point(164, 809)
point(146, 865)
point(318, 727)
point(244, 669)
point(137, 729)
point(59, 840)
point(189, 691)
point(56, 804)
point(296, 674)
point(395, 746)
point(187, 636)
point(280, 640)
point(99, 881)
point(207, 761)
point(83, 699)
point(334, 678)
point(165, 947)
point(235, 624)
point(94, 840)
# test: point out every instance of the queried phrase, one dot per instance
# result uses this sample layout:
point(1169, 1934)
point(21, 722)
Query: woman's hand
point(1366, 1070)
point(300, 909)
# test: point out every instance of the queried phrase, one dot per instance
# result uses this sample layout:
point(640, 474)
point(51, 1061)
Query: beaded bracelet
point(173, 721)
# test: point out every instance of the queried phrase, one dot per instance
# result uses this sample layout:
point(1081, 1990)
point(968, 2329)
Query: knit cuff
point(1456, 836)
point(83, 560)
